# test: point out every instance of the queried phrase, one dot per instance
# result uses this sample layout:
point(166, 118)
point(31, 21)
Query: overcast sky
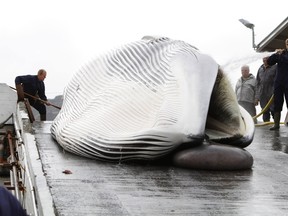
point(63, 35)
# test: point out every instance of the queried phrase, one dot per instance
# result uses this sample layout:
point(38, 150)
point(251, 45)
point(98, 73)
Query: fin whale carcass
point(147, 99)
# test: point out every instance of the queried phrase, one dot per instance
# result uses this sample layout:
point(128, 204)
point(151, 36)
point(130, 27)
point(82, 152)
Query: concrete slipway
point(100, 188)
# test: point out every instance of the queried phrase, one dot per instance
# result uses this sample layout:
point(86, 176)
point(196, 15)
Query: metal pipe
point(253, 38)
point(250, 26)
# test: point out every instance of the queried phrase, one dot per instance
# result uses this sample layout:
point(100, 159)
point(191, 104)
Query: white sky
point(63, 35)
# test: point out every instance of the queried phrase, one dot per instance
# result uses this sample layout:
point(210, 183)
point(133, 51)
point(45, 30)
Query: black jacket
point(282, 66)
point(9, 205)
point(32, 85)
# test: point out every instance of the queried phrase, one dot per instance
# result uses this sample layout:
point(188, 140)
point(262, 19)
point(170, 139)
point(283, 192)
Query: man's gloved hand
point(20, 92)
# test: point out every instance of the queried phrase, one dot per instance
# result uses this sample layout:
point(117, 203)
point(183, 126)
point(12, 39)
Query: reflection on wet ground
point(271, 140)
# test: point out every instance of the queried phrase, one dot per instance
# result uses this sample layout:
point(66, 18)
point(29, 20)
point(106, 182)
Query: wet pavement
point(101, 188)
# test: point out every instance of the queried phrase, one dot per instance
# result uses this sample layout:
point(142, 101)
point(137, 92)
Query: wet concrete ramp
point(101, 188)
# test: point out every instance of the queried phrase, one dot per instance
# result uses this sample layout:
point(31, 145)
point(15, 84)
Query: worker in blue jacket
point(33, 85)
point(281, 82)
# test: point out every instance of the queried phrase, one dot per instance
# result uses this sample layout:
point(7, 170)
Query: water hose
point(265, 108)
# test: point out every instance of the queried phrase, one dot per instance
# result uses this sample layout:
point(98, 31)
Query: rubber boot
point(277, 116)
point(42, 117)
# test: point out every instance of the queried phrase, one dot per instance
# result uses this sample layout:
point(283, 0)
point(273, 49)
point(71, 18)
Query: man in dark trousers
point(33, 85)
point(281, 82)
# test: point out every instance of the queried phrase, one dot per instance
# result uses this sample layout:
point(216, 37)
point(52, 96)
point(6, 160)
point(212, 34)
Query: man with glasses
point(281, 82)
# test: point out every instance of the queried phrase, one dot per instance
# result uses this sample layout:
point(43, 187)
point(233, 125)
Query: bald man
point(33, 85)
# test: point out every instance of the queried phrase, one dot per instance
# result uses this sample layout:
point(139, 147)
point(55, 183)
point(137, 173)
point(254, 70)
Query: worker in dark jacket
point(33, 85)
point(281, 82)
point(9, 204)
point(265, 87)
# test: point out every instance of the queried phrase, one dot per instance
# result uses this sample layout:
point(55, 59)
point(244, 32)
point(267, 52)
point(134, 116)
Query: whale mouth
point(227, 122)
